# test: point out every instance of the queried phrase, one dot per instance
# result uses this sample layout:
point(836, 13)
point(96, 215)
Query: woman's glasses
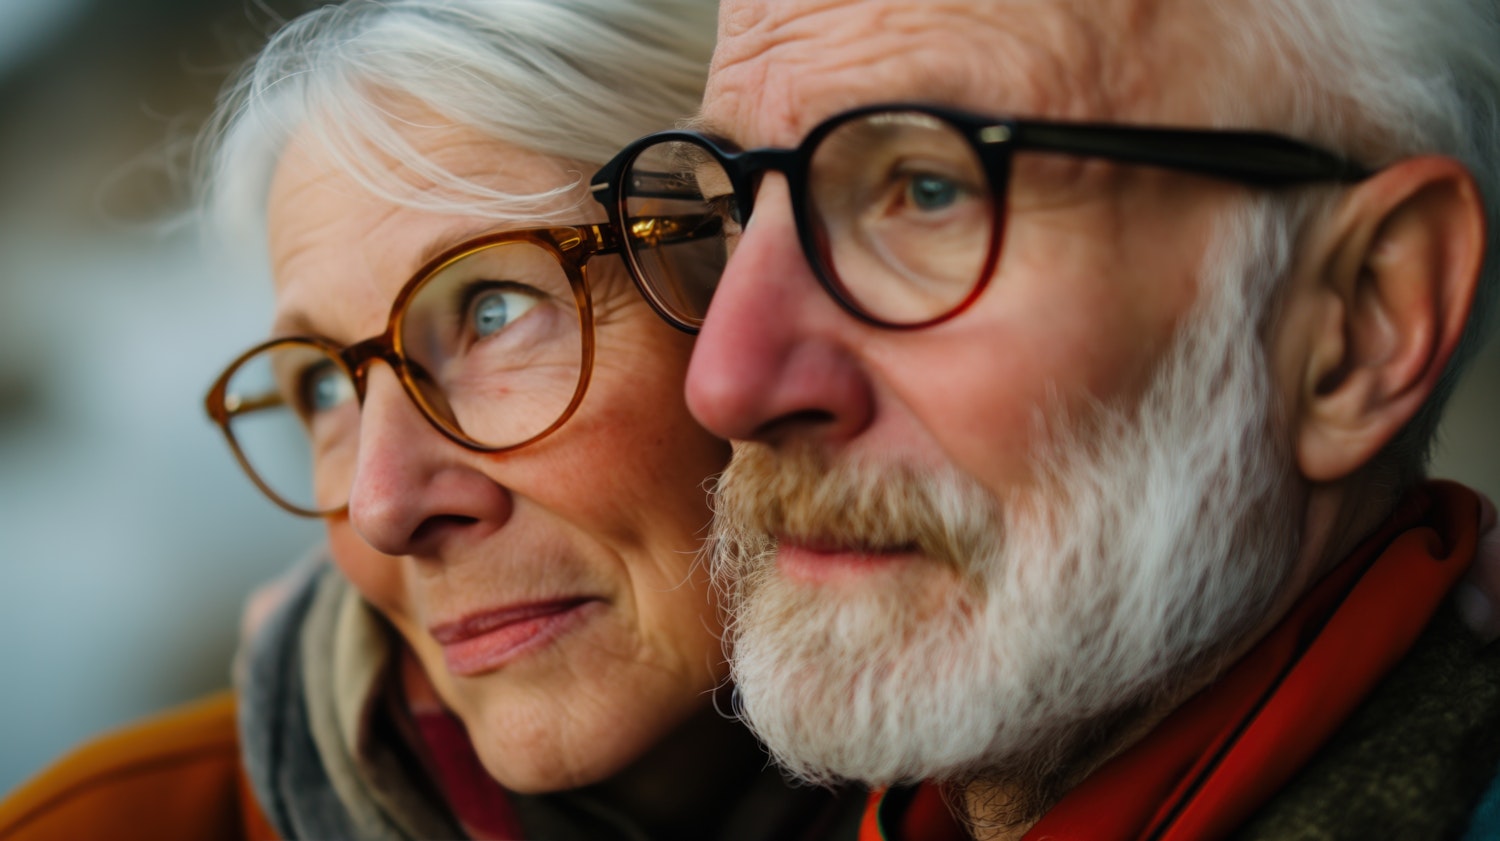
point(900, 209)
point(492, 341)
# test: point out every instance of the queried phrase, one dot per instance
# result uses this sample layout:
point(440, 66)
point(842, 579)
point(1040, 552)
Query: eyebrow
point(703, 125)
point(292, 324)
point(297, 323)
point(452, 238)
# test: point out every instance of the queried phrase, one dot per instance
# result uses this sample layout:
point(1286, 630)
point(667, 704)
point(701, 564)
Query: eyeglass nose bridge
point(748, 169)
point(357, 358)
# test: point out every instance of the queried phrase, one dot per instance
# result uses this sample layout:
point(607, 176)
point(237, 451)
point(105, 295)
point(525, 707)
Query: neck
point(1002, 807)
point(1340, 515)
point(993, 811)
point(679, 789)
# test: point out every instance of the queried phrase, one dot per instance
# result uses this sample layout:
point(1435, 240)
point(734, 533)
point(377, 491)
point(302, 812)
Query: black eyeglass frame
point(1254, 158)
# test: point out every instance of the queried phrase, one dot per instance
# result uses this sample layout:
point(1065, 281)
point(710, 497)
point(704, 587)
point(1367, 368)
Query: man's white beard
point(1142, 558)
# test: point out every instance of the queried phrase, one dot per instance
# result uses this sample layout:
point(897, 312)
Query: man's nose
point(413, 489)
point(776, 355)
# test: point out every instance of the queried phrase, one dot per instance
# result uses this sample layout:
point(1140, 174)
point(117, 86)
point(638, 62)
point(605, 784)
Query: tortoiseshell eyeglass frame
point(572, 246)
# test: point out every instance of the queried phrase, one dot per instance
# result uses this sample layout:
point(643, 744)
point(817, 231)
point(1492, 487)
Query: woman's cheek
point(376, 576)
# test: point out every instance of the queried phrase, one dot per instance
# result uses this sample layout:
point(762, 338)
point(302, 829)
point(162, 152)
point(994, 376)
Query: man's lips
point(823, 560)
point(487, 640)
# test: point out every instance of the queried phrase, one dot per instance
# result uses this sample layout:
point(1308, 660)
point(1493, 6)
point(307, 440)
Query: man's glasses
point(900, 209)
point(492, 340)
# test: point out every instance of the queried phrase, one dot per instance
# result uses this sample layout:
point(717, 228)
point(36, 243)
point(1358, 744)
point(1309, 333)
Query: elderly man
point(1083, 358)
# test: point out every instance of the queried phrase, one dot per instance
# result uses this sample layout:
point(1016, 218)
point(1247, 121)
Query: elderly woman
point(512, 639)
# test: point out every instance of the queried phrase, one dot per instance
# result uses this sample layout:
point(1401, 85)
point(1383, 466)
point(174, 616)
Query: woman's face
point(550, 593)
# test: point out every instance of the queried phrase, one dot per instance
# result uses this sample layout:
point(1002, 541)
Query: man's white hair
point(1381, 80)
point(575, 79)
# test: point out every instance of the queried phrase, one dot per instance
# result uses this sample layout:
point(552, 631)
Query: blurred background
point(131, 539)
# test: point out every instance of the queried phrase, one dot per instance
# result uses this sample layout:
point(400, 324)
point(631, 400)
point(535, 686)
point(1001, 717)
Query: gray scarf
point(316, 778)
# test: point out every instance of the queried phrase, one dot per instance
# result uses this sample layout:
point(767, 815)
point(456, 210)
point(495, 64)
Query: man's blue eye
point(495, 310)
point(931, 192)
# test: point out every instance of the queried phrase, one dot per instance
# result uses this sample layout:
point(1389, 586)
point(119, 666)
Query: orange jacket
point(175, 777)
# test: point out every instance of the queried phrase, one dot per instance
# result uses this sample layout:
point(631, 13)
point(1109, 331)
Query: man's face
point(1099, 262)
point(949, 547)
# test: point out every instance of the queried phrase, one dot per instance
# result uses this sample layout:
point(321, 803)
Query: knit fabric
point(1411, 762)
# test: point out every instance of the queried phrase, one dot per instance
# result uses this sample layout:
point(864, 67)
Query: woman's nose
point(413, 490)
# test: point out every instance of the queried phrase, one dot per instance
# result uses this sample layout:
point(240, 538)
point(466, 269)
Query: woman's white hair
point(1381, 80)
point(574, 79)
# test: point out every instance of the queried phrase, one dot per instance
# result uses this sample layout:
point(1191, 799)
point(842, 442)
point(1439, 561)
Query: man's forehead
point(781, 66)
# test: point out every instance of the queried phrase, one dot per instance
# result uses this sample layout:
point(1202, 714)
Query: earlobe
point(1392, 294)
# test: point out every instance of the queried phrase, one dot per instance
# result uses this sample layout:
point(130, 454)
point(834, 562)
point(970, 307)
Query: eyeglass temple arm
point(235, 405)
point(1255, 158)
point(661, 185)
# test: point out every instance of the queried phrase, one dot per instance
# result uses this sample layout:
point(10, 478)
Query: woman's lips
point(485, 641)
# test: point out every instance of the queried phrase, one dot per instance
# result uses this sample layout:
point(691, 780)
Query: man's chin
point(829, 671)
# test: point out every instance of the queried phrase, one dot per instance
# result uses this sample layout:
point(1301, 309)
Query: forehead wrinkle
point(784, 66)
point(378, 250)
point(1092, 60)
point(747, 33)
point(299, 293)
point(1165, 60)
point(780, 70)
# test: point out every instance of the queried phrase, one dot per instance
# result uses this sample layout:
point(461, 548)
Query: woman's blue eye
point(931, 192)
point(325, 387)
point(495, 310)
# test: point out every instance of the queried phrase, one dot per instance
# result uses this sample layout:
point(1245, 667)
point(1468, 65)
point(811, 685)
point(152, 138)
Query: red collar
point(1207, 767)
point(481, 805)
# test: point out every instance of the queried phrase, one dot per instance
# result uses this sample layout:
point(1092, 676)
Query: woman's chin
point(573, 723)
point(561, 753)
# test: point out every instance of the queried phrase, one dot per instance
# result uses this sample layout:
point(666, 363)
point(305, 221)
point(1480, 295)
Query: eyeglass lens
point(290, 406)
point(677, 180)
point(494, 349)
point(898, 217)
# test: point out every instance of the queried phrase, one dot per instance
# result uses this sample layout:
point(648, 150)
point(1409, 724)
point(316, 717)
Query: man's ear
point(1387, 301)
